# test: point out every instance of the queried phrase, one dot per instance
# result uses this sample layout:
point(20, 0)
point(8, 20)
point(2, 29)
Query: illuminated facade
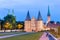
point(35, 25)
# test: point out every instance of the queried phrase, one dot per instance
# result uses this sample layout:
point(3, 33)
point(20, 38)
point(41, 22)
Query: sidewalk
point(44, 36)
point(7, 36)
point(58, 38)
point(47, 36)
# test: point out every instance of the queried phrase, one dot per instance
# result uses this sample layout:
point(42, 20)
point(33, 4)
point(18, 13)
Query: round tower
point(27, 23)
point(40, 25)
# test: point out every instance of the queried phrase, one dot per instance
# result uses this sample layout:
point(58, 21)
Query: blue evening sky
point(22, 6)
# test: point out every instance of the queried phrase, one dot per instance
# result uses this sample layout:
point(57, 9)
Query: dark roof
point(53, 25)
point(48, 11)
point(39, 16)
point(28, 17)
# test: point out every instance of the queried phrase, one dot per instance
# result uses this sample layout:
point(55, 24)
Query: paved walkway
point(6, 36)
point(47, 36)
point(58, 38)
point(44, 36)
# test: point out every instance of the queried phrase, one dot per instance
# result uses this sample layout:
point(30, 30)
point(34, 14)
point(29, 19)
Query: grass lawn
point(33, 36)
point(3, 34)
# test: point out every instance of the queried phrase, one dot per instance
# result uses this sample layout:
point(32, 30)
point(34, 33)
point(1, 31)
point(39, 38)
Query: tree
point(58, 22)
point(59, 30)
point(7, 25)
point(1, 24)
point(11, 19)
point(20, 25)
point(52, 22)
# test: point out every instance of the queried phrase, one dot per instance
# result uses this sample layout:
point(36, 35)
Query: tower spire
point(28, 17)
point(8, 11)
point(39, 16)
point(48, 11)
point(48, 20)
point(12, 11)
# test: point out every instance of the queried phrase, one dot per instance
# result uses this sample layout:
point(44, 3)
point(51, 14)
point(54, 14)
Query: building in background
point(36, 24)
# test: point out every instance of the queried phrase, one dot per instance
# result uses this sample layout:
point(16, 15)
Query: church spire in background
point(28, 17)
point(48, 16)
point(48, 11)
point(12, 11)
point(8, 11)
point(39, 16)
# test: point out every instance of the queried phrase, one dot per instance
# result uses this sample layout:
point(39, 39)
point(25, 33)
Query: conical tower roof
point(48, 11)
point(12, 11)
point(8, 11)
point(39, 16)
point(28, 17)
